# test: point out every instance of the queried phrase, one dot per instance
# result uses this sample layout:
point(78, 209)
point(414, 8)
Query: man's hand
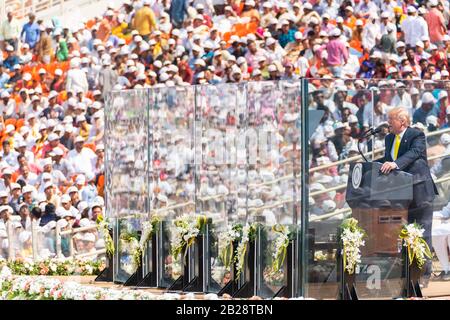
point(388, 167)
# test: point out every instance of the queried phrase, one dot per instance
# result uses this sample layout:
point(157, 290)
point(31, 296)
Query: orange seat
point(19, 123)
point(90, 146)
point(10, 121)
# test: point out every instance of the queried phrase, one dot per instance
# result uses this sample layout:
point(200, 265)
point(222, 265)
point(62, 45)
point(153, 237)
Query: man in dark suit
point(406, 151)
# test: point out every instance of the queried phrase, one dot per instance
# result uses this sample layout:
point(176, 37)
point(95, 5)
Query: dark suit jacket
point(412, 158)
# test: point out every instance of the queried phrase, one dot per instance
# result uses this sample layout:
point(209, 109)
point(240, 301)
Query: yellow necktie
point(396, 146)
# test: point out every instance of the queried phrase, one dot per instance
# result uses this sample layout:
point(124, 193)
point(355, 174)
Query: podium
point(380, 203)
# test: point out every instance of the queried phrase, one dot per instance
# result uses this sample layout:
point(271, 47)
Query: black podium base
point(348, 293)
point(107, 274)
point(413, 290)
point(230, 288)
point(178, 285)
point(283, 293)
point(246, 291)
point(135, 278)
point(194, 286)
point(148, 281)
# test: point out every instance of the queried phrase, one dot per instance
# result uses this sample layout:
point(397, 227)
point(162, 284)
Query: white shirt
point(81, 162)
point(369, 35)
point(393, 145)
point(76, 79)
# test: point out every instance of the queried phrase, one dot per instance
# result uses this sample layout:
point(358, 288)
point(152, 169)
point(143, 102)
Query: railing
point(58, 235)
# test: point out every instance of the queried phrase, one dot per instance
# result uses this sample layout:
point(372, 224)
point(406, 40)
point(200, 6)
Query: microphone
point(372, 132)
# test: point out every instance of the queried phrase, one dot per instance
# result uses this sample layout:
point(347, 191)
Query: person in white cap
point(7, 105)
point(81, 158)
point(9, 155)
point(365, 8)
point(421, 114)
point(411, 28)
point(60, 163)
point(337, 53)
point(89, 192)
point(44, 47)
point(436, 23)
point(50, 194)
point(76, 77)
point(402, 97)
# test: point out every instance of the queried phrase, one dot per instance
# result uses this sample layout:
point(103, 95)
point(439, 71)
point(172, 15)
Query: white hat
point(15, 186)
point(442, 94)
point(27, 188)
point(48, 185)
point(89, 236)
point(432, 120)
point(328, 206)
point(81, 179)
point(83, 205)
point(52, 137)
point(308, 6)
point(272, 68)
point(427, 97)
point(336, 32)
point(80, 118)
point(72, 189)
point(58, 151)
point(65, 198)
point(419, 44)
point(433, 3)
point(79, 139)
point(445, 139)
point(27, 76)
point(270, 41)
point(62, 223)
point(411, 9)
point(10, 128)
point(5, 94)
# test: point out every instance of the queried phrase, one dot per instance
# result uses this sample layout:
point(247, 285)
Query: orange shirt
point(104, 30)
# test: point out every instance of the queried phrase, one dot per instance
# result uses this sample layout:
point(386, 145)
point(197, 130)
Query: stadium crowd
point(54, 80)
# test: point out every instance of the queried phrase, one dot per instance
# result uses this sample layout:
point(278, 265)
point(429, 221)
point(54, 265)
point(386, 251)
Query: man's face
point(49, 191)
point(54, 143)
point(96, 212)
point(4, 200)
point(396, 125)
point(79, 146)
point(10, 16)
point(66, 205)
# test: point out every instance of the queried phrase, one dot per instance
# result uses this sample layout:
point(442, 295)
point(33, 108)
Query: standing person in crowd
point(10, 32)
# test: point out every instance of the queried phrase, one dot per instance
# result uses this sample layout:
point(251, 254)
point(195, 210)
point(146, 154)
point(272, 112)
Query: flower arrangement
point(103, 227)
point(248, 234)
point(284, 235)
point(188, 227)
point(129, 243)
point(226, 239)
point(44, 288)
point(351, 236)
point(412, 236)
point(54, 267)
point(148, 227)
